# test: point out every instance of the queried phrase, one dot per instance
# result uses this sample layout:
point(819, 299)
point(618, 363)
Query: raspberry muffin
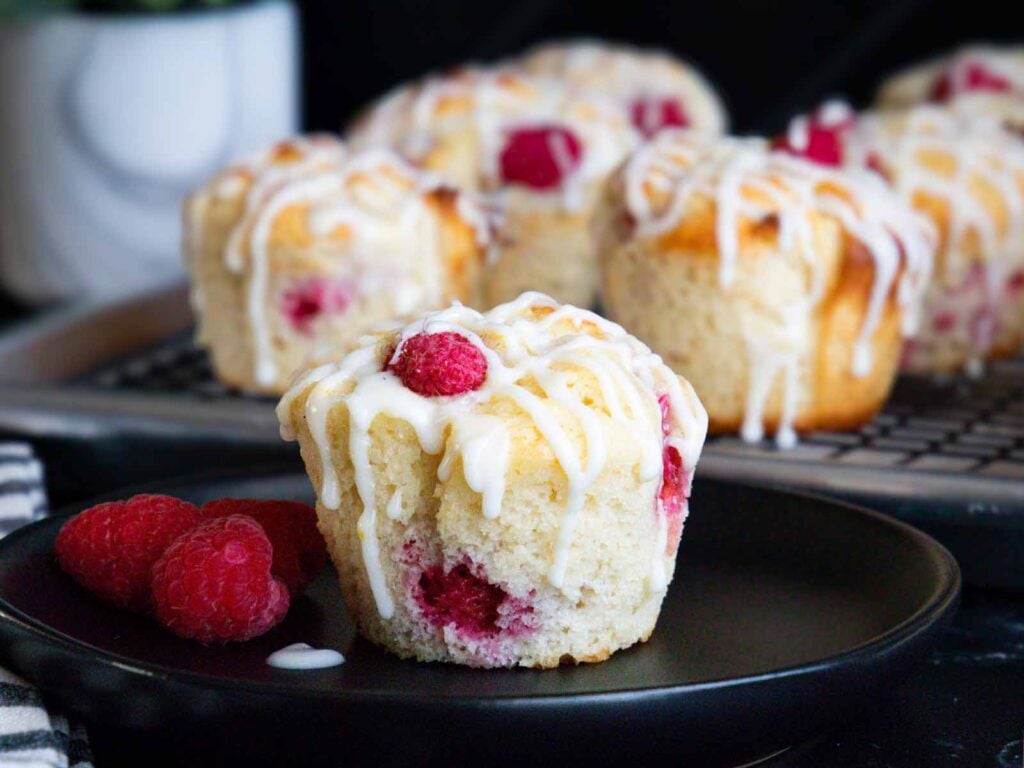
point(972, 70)
point(965, 173)
point(538, 150)
point(653, 89)
point(779, 288)
point(300, 251)
point(500, 489)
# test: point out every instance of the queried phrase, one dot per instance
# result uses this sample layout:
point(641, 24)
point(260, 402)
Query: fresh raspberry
point(462, 598)
point(968, 77)
point(299, 550)
point(540, 157)
point(440, 364)
point(110, 549)
point(650, 114)
point(214, 584)
point(304, 302)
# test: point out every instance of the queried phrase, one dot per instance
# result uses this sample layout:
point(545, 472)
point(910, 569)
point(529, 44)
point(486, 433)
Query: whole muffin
point(655, 90)
point(780, 289)
point(965, 172)
point(540, 152)
point(298, 252)
point(500, 489)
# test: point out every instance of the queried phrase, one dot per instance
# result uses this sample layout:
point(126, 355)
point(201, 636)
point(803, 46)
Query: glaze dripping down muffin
point(298, 251)
point(966, 173)
point(781, 289)
point(500, 489)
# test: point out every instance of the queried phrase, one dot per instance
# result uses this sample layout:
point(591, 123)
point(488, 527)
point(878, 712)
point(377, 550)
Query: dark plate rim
point(944, 599)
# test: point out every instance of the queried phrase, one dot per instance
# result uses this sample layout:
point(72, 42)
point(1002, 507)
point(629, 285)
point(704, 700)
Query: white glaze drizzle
point(746, 182)
point(533, 352)
point(378, 197)
point(494, 101)
point(254, 178)
point(979, 149)
point(625, 73)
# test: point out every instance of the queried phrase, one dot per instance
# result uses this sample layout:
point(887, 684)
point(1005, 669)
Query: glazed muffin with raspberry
point(298, 252)
point(970, 71)
point(964, 172)
point(500, 489)
point(654, 89)
point(540, 152)
point(779, 287)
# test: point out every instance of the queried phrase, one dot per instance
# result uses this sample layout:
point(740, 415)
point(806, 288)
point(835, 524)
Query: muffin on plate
point(500, 489)
point(779, 288)
point(539, 152)
point(654, 89)
point(965, 173)
point(300, 251)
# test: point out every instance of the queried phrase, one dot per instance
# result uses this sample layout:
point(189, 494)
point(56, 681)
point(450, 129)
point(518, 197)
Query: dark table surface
point(964, 706)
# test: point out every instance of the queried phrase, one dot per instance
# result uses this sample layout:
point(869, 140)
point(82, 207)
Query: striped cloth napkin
point(31, 734)
point(22, 494)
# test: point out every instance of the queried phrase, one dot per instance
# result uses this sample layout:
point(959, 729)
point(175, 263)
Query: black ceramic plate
point(788, 613)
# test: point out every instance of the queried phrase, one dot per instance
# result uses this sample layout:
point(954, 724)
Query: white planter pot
point(107, 122)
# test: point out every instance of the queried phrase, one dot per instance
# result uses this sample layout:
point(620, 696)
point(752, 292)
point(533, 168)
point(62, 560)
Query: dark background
point(769, 59)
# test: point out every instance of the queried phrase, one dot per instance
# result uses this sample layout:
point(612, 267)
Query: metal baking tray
point(125, 384)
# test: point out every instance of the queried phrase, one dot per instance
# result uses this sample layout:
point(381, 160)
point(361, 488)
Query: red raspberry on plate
point(110, 549)
point(540, 157)
point(968, 77)
point(440, 364)
point(214, 584)
point(299, 550)
point(650, 114)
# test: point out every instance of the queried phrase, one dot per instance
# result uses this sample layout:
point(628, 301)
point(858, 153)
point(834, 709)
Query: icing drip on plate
point(533, 347)
point(302, 656)
point(747, 183)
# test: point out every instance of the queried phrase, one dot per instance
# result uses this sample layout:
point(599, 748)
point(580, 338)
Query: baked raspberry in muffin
point(653, 89)
point(779, 287)
point(971, 70)
point(500, 489)
point(540, 151)
point(966, 173)
point(300, 251)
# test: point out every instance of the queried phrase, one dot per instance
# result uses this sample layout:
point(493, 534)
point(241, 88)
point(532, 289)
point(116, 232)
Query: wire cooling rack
point(946, 455)
point(955, 426)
